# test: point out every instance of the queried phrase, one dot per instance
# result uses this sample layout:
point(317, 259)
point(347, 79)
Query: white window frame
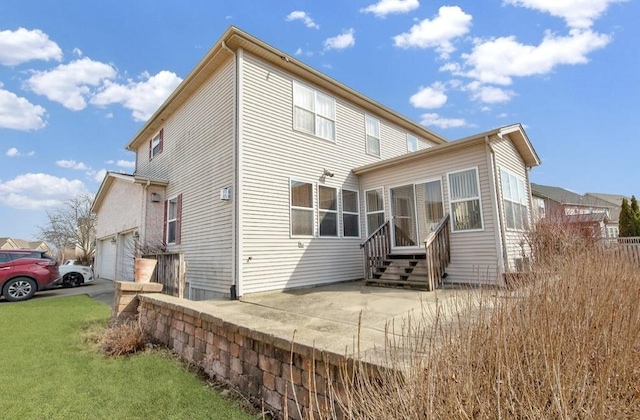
point(312, 209)
point(155, 145)
point(322, 210)
point(316, 115)
point(171, 200)
point(366, 209)
point(356, 213)
point(514, 202)
point(453, 201)
point(412, 139)
point(369, 135)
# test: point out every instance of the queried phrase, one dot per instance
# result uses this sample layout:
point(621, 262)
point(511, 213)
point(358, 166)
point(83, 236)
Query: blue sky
point(79, 78)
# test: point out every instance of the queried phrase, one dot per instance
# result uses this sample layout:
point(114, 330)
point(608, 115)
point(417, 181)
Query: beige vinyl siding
point(474, 255)
point(507, 157)
point(121, 210)
point(197, 159)
point(273, 154)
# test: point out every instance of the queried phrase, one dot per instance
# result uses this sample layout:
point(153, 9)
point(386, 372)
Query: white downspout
point(236, 191)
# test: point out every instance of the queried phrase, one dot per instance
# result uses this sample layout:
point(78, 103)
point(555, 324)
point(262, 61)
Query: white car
point(74, 275)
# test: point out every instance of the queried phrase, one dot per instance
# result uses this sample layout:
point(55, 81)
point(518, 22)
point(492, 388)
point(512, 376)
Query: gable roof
point(609, 198)
point(234, 39)
point(516, 134)
point(111, 177)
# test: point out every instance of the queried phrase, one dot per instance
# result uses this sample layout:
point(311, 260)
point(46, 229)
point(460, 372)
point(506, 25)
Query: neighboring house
point(269, 175)
point(14, 243)
point(587, 209)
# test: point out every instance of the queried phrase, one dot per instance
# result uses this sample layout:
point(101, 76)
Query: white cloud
point(488, 94)
point(14, 152)
point(143, 97)
point(23, 45)
point(126, 163)
point(99, 176)
point(77, 52)
point(304, 17)
point(72, 164)
point(450, 23)
point(386, 7)
point(70, 84)
point(576, 13)
point(429, 97)
point(37, 191)
point(499, 60)
point(19, 114)
point(342, 41)
point(436, 120)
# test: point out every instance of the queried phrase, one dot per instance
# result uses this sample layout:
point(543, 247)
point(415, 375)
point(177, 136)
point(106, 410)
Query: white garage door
point(126, 254)
point(107, 258)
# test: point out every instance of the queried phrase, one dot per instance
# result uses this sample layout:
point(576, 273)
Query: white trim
point(239, 192)
point(313, 209)
point(175, 220)
point(356, 213)
point(451, 201)
point(366, 212)
point(501, 249)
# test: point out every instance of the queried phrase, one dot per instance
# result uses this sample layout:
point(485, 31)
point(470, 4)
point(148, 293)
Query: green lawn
point(48, 371)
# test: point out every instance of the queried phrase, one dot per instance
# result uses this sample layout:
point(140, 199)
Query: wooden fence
point(170, 272)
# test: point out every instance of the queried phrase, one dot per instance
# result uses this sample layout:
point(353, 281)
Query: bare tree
point(72, 225)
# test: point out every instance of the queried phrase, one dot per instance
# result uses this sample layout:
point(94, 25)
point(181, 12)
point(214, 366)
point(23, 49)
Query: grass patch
point(49, 371)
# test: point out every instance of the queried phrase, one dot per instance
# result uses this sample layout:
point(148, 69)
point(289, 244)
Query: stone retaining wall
point(287, 379)
point(125, 299)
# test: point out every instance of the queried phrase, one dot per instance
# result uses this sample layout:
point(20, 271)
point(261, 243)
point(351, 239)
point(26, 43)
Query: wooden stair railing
point(437, 248)
point(376, 248)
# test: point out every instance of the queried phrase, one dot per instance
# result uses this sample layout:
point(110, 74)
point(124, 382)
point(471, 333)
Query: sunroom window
point(515, 201)
point(328, 211)
point(374, 202)
point(350, 214)
point(301, 208)
point(464, 194)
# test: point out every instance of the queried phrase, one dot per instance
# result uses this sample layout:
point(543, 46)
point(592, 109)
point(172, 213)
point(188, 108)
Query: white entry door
point(403, 213)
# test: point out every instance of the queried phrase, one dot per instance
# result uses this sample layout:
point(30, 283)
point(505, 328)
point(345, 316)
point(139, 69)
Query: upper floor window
point(412, 143)
point(373, 135)
point(302, 211)
point(328, 211)
point(314, 112)
point(515, 201)
point(464, 195)
point(155, 144)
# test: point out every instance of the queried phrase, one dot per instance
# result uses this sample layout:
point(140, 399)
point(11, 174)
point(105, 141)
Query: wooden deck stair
point(402, 270)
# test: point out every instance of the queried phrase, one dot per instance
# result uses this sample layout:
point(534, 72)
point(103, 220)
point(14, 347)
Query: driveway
point(100, 290)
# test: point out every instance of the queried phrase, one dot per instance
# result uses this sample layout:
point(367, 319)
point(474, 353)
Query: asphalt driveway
point(100, 290)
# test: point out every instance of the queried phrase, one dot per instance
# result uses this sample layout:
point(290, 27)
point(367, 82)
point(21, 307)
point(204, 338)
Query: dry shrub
point(123, 338)
point(563, 344)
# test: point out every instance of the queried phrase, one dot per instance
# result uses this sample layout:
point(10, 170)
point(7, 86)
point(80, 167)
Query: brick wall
point(280, 376)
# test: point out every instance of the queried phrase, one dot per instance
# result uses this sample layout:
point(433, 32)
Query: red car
point(23, 272)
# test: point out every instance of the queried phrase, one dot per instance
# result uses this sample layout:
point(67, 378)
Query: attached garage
point(107, 259)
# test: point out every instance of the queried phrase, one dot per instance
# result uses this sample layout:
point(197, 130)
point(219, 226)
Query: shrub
point(124, 338)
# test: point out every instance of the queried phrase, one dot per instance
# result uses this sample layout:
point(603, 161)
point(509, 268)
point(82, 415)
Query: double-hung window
point(374, 202)
point(412, 143)
point(464, 195)
point(302, 211)
point(155, 144)
point(313, 112)
point(350, 214)
point(173, 220)
point(514, 200)
point(372, 128)
point(328, 211)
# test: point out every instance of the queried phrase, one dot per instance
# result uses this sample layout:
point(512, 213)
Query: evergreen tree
point(626, 220)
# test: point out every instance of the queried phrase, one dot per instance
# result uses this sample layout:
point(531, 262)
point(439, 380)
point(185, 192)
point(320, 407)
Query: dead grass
point(563, 343)
point(121, 339)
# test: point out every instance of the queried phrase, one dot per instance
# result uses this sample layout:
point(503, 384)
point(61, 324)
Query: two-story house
point(268, 175)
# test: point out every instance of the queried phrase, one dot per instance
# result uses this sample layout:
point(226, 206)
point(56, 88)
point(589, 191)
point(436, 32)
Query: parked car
point(73, 274)
point(23, 272)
